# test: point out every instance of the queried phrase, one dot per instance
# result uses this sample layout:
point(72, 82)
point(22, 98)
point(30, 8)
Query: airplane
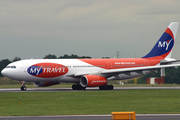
point(94, 72)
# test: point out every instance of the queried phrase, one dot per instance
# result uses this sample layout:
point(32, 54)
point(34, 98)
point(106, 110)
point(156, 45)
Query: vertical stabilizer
point(164, 46)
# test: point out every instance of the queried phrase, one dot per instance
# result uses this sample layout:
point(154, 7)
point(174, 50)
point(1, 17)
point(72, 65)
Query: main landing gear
point(23, 87)
point(103, 87)
point(78, 87)
point(106, 87)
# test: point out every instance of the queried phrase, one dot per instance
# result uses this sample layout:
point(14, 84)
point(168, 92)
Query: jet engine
point(92, 81)
point(45, 84)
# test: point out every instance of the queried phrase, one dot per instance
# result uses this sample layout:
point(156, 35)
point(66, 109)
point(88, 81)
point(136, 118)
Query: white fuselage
point(70, 70)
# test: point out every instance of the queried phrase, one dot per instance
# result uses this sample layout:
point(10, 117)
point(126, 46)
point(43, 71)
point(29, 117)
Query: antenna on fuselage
point(117, 54)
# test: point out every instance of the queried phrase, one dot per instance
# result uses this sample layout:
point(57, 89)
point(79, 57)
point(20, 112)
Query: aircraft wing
point(138, 69)
point(125, 70)
point(168, 62)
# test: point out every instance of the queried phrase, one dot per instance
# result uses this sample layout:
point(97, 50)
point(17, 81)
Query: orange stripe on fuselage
point(123, 62)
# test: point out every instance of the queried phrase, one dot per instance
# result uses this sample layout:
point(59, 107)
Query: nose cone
point(8, 73)
point(4, 72)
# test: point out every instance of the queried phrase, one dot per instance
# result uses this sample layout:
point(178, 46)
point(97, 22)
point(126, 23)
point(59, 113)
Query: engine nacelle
point(45, 84)
point(92, 81)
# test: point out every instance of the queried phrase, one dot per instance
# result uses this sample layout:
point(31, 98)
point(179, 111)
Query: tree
point(172, 76)
point(49, 56)
point(3, 64)
point(72, 56)
point(16, 59)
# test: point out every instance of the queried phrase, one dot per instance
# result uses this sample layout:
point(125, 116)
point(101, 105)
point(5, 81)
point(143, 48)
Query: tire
point(103, 87)
point(74, 87)
point(83, 88)
point(106, 87)
point(111, 87)
point(23, 88)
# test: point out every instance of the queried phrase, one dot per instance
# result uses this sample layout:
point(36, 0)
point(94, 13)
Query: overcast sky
point(96, 28)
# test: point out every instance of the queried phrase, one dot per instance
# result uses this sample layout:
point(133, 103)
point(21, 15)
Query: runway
point(94, 117)
point(88, 117)
point(87, 89)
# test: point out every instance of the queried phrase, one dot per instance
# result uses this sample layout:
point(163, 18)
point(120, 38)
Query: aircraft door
point(25, 66)
point(146, 63)
point(109, 64)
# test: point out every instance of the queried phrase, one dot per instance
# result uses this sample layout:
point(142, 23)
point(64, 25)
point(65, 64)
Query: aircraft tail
point(164, 46)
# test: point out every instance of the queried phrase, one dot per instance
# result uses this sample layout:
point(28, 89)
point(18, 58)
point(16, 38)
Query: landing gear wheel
point(74, 87)
point(111, 87)
point(78, 87)
point(106, 87)
point(23, 88)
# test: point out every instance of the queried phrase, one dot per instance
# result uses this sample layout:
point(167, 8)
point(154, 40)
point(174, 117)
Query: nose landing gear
point(23, 87)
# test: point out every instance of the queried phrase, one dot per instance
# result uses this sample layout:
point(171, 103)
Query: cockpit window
point(11, 67)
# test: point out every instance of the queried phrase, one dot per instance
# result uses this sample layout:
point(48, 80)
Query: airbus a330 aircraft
point(94, 72)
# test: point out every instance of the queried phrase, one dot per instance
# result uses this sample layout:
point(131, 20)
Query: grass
point(89, 102)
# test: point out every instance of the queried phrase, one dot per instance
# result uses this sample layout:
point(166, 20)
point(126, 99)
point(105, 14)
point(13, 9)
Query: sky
point(96, 28)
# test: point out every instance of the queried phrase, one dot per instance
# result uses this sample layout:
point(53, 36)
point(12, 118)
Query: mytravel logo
point(165, 44)
point(47, 70)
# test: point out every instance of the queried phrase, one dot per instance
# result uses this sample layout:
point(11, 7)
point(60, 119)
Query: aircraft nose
point(7, 73)
point(4, 72)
